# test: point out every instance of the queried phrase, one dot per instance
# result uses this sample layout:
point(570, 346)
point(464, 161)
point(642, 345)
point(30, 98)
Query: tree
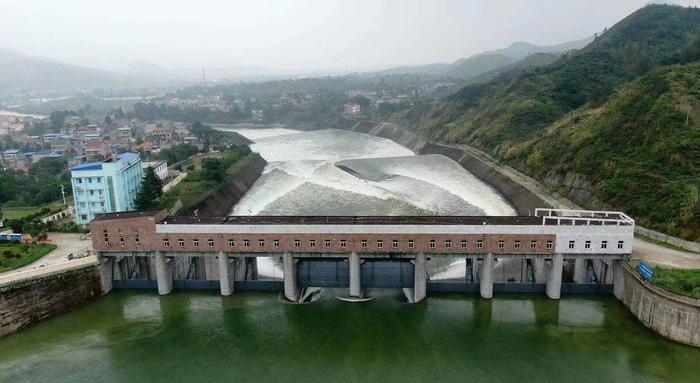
point(213, 169)
point(37, 230)
point(148, 197)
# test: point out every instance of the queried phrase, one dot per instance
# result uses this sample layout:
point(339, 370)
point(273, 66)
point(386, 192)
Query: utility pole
point(63, 193)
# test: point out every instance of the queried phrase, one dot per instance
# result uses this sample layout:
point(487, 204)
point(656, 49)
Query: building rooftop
point(123, 157)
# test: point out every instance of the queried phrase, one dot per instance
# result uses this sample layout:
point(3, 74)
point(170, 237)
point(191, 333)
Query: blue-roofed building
point(107, 186)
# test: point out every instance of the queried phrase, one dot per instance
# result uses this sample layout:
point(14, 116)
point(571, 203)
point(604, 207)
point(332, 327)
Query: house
point(160, 167)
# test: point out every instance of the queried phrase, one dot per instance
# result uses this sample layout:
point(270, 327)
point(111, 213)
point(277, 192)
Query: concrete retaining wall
point(671, 315)
point(661, 237)
point(27, 302)
point(240, 178)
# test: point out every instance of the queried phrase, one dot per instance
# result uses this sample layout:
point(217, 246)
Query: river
point(188, 336)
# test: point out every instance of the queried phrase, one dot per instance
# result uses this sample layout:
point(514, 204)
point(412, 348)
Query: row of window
point(603, 244)
point(364, 243)
point(88, 179)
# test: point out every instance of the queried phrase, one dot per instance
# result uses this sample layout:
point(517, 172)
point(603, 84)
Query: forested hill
point(575, 123)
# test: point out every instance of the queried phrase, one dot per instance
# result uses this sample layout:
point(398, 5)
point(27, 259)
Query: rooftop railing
point(583, 217)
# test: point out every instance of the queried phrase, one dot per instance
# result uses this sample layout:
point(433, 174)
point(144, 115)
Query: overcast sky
point(293, 36)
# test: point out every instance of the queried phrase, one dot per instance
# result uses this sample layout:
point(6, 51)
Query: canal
point(131, 336)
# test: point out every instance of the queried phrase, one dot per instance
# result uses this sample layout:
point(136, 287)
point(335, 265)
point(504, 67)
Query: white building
point(160, 167)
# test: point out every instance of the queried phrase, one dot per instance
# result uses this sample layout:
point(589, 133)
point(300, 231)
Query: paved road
point(66, 243)
point(661, 256)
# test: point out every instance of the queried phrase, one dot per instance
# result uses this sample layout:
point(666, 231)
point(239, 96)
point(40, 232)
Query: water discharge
point(337, 172)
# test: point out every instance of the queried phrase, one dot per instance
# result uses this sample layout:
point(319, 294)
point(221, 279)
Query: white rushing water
point(338, 172)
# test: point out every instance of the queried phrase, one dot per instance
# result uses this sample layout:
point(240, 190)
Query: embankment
point(28, 301)
point(671, 315)
point(240, 177)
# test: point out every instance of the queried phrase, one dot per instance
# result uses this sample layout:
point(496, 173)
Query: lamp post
point(63, 194)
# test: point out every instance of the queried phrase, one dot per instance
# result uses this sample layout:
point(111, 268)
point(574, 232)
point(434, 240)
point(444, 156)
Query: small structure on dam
point(153, 250)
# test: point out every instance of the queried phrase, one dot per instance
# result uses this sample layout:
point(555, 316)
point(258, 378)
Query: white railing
point(573, 217)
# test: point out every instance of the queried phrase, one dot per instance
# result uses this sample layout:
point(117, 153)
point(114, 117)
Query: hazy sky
point(293, 36)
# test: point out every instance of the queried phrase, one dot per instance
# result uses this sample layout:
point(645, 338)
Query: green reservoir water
point(252, 337)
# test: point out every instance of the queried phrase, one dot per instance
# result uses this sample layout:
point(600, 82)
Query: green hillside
point(604, 125)
point(635, 152)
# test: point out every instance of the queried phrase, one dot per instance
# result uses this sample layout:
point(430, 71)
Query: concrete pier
point(554, 277)
point(486, 277)
point(539, 269)
point(355, 275)
point(420, 280)
point(226, 274)
point(164, 274)
point(618, 278)
point(580, 271)
point(291, 289)
point(106, 277)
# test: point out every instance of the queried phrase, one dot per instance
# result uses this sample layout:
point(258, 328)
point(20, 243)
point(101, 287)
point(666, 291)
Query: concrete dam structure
point(153, 250)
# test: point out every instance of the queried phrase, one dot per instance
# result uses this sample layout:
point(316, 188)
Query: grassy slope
point(28, 253)
point(685, 282)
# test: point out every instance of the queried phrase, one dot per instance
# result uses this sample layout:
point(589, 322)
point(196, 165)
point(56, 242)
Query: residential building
point(258, 115)
point(13, 159)
point(352, 109)
point(106, 186)
point(160, 167)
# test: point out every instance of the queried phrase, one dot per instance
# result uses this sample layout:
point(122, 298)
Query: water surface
point(253, 337)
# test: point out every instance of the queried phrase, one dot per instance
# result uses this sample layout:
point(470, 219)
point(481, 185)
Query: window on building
point(327, 243)
point(550, 244)
point(137, 239)
point(121, 239)
point(620, 244)
point(432, 244)
point(448, 244)
point(195, 242)
point(231, 243)
point(180, 243)
point(604, 245)
point(411, 244)
point(479, 244)
point(80, 180)
point(464, 244)
point(297, 243)
point(343, 243)
point(246, 243)
point(380, 244)
point(166, 242)
point(533, 244)
point(92, 192)
point(312, 243)
point(276, 243)
point(261, 243)
point(572, 244)
point(90, 179)
point(516, 244)
point(99, 181)
point(363, 243)
point(587, 244)
point(210, 242)
point(104, 233)
point(395, 244)
point(83, 217)
point(501, 244)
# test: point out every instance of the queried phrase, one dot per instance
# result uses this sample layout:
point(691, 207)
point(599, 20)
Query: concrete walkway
point(16, 276)
point(656, 255)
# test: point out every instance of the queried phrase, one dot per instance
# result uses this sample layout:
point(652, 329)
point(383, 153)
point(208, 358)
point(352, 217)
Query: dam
point(357, 251)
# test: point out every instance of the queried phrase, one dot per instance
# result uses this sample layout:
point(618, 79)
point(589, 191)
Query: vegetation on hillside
point(684, 282)
point(640, 152)
point(585, 126)
point(42, 184)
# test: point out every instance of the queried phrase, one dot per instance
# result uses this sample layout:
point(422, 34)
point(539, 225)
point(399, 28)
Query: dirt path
point(662, 256)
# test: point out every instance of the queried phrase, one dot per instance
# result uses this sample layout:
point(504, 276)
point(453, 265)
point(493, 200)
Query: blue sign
point(646, 271)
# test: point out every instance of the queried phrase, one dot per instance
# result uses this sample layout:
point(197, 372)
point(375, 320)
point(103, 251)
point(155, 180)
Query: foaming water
point(335, 172)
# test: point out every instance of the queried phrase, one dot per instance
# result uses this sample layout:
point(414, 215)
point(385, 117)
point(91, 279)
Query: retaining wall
point(671, 315)
point(240, 178)
point(27, 302)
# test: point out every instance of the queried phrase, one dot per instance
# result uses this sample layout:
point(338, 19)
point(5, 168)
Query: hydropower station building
point(553, 251)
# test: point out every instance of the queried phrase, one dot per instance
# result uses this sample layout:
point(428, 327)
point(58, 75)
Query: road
point(662, 256)
point(66, 243)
